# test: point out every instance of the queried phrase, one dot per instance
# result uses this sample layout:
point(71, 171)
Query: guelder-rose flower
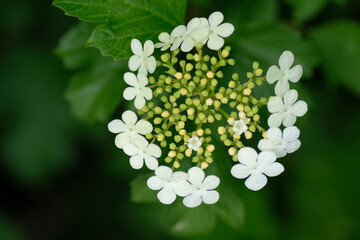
point(128, 129)
point(138, 89)
point(284, 74)
point(285, 110)
point(281, 143)
point(256, 167)
point(140, 150)
point(142, 59)
point(198, 189)
point(218, 31)
point(166, 40)
point(194, 143)
point(165, 180)
point(240, 126)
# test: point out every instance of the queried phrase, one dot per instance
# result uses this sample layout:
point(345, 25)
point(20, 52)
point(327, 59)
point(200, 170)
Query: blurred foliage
point(64, 179)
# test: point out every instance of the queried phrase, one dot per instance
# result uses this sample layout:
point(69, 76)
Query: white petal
point(121, 140)
point(291, 134)
point(164, 37)
point(187, 44)
point(215, 19)
point(136, 47)
point(147, 93)
point(129, 117)
point(151, 162)
point(247, 156)
point(151, 64)
point(159, 45)
point(131, 79)
point(136, 162)
point(240, 171)
point(225, 30)
point(299, 108)
point(176, 44)
point(140, 142)
point(275, 104)
point(193, 24)
point(286, 60)
point(290, 98)
point(266, 145)
point(215, 42)
point(183, 188)
point(273, 74)
point(139, 101)
point(116, 126)
point(210, 197)
point(282, 87)
point(210, 182)
point(179, 176)
point(196, 176)
point(179, 31)
point(265, 158)
point(295, 73)
point(131, 149)
point(134, 63)
point(148, 48)
point(275, 119)
point(256, 181)
point(273, 169)
point(192, 201)
point(274, 134)
point(279, 152)
point(129, 93)
point(163, 172)
point(153, 150)
point(289, 120)
point(200, 34)
point(143, 127)
point(155, 183)
point(143, 69)
point(293, 146)
point(166, 195)
point(142, 79)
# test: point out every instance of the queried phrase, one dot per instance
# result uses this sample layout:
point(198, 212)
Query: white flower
point(140, 150)
point(240, 126)
point(218, 31)
point(190, 35)
point(285, 110)
point(197, 188)
point(165, 180)
point(256, 166)
point(142, 59)
point(281, 143)
point(166, 40)
point(194, 143)
point(284, 74)
point(128, 129)
point(138, 89)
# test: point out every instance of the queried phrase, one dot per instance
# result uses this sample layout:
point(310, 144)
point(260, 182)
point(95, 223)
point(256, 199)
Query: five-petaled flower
point(194, 143)
point(197, 188)
point(284, 74)
point(138, 89)
point(256, 167)
point(166, 40)
point(128, 129)
point(240, 126)
point(281, 143)
point(165, 180)
point(285, 110)
point(142, 59)
point(140, 150)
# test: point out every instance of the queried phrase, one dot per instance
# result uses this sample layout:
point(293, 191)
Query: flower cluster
point(190, 94)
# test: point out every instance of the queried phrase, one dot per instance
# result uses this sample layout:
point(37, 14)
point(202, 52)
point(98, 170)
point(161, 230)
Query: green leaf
point(338, 44)
point(96, 90)
point(140, 192)
point(125, 20)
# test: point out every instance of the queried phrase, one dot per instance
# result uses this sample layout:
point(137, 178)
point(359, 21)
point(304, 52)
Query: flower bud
point(160, 137)
point(176, 164)
point(204, 165)
point(232, 151)
point(247, 91)
point(157, 120)
point(189, 67)
point(210, 148)
point(200, 132)
point(258, 72)
point(225, 53)
point(210, 74)
point(178, 75)
point(165, 114)
point(210, 119)
point(188, 152)
point(190, 111)
point(182, 132)
point(248, 135)
point(230, 120)
point(197, 57)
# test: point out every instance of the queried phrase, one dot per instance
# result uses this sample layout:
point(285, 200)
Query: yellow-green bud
point(210, 74)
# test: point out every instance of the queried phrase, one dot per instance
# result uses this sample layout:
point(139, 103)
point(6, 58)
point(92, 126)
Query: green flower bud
point(177, 138)
point(163, 143)
point(168, 159)
point(213, 60)
point(182, 148)
point(219, 74)
point(218, 116)
point(231, 61)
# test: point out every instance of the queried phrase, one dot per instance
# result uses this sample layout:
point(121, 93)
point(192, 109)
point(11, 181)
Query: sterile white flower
point(190, 35)
point(284, 74)
point(140, 150)
point(138, 89)
point(142, 59)
point(165, 180)
point(285, 110)
point(281, 143)
point(257, 167)
point(194, 143)
point(166, 40)
point(128, 129)
point(218, 31)
point(197, 188)
point(240, 126)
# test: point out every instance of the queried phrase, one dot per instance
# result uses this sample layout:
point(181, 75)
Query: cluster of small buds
point(191, 94)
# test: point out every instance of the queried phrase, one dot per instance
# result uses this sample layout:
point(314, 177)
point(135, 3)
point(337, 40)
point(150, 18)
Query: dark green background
point(61, 178)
